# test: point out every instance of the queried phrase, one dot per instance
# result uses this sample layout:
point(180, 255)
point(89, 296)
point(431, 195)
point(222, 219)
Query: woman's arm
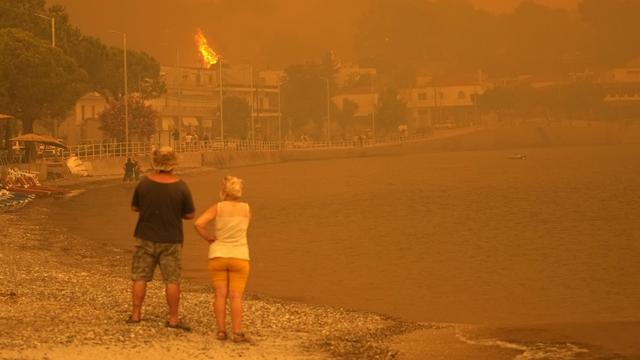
point(204, 219)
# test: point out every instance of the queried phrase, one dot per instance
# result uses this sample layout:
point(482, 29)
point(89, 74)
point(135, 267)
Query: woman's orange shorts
point(229, 272)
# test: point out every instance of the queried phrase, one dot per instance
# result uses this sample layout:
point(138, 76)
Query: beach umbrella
point(36, 138)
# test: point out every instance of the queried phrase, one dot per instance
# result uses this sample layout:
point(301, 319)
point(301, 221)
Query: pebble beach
point(61, 298)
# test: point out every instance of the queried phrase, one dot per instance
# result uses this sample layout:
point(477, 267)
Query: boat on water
point(517, 157)
point(10, 200)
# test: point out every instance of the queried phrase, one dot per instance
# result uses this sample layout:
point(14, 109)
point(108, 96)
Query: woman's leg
point(238, 275)
point(219, 279)
point(236, 311)
point(219, 305)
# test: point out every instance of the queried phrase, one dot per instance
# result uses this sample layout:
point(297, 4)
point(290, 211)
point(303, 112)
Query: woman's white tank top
point(231, 231)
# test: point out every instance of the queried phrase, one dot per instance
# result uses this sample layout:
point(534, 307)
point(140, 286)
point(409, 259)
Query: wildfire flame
point(209, 57)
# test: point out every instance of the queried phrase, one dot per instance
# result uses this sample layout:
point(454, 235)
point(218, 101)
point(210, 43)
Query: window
point(82, 112)
point(422, 96)
point(461, 95)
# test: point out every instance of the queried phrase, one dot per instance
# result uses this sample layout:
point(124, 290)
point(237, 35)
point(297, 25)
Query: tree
point(236, 115)
point(142, 119)
point(345, 116)
point(391, 111)
point(103, 65)
point(37, 80)
point(304, 95)
point(610, 25)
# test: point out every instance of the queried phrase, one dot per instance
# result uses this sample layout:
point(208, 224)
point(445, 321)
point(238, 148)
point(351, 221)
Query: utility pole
point(373, 111)
point(328, 112)
point(126, 90)
point(254, 95)
point(53, 45)
point(221, 102)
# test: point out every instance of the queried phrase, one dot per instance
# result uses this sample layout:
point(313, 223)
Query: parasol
point(44, 139)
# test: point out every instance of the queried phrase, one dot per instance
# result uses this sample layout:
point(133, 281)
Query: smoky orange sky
point(271, 33)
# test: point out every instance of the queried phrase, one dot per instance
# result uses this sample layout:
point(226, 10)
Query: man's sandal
point(180, 326)
point(130, 320)
point(221, 335)
point(239, 338)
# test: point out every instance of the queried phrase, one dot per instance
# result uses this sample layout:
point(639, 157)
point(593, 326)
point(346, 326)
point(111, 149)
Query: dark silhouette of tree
point(142, 119)
point(304, 95)
point(346, 115)
point(36, 81)
point(103, 65)
point(391, 111)
point(236, 116)
point(610, 26)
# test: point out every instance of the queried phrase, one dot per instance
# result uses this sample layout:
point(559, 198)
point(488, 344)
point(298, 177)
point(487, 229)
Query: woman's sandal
point(239, 338)
point(221, 335)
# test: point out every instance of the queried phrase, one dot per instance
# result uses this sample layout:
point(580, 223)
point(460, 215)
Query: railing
point(111, 150)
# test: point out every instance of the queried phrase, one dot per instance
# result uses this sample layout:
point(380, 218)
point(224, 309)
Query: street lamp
point(373, 112)
point(221, 102)
point(53, 44)
point(126, 88)
point(328, 80)
point(280, 83)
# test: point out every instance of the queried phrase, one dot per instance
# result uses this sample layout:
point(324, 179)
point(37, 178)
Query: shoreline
point(61, 298)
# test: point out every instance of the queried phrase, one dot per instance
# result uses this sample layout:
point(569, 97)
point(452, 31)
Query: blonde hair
point(231, 188)
point(164, 159)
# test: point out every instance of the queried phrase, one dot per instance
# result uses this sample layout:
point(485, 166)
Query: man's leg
point(142, 266)
point(139, 289)
point(172, 292)
point(171, 269)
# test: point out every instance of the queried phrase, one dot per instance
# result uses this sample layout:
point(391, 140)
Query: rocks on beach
point(62, 298)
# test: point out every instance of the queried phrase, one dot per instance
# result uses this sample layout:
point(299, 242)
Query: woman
point(228, 254)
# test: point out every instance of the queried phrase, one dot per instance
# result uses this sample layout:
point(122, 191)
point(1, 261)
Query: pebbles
point(60, 298)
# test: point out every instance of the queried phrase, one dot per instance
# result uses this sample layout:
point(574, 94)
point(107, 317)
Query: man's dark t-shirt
point(161, 206)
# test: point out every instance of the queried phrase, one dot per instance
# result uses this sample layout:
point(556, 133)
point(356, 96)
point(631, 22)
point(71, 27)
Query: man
point(128, 170)
point(162, 201)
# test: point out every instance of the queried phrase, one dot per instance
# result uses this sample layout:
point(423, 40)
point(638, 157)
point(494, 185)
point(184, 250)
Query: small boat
point(517, 157)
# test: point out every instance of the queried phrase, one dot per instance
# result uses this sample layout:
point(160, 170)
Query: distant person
point(128, 170)
point(205, 139)
point(136, 170)
point(162, 201)
point(228, 254)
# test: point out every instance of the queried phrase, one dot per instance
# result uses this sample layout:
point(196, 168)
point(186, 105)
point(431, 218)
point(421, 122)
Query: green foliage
point(391, 111)
point(611, 25)
point(304, 95)
point(236, 116)
point(37, 80)
point(103, 65)
point(576, 99)
point(142, 119)
point(345, 116)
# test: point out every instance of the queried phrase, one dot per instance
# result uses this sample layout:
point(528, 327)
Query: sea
point(539, 252)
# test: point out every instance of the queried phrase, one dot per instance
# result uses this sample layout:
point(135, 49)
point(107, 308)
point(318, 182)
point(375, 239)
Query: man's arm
point(189, 216)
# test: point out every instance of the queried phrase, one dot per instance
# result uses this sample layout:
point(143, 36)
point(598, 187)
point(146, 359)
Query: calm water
point(468, 237)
